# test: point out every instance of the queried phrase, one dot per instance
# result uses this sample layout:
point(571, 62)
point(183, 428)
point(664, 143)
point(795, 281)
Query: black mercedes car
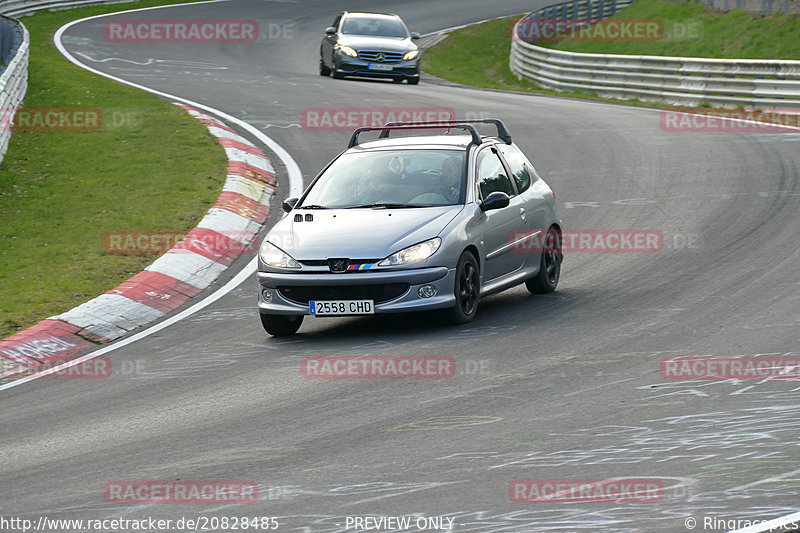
point(369, 44)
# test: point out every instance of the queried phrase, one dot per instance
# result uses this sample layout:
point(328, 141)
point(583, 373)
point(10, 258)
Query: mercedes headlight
point(410, 55)
point(413, 254)
point(346, 50)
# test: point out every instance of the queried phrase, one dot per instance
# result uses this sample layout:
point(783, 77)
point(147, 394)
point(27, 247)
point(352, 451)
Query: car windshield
point(391, 179)
point(374, 26)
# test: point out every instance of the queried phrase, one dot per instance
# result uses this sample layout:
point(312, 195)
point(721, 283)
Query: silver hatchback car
point(411, 223)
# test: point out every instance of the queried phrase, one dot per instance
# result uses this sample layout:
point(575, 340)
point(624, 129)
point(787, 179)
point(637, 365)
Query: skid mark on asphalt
point(784, 474)
point(446, 422)
point(152, 61)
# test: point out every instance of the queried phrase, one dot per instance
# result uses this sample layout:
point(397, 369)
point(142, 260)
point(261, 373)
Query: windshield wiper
point(386, 205)
point(313, 206)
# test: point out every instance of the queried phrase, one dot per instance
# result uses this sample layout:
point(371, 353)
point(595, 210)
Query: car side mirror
point(289, 203)
point(496, 200)
point(415, 36)
point(330, 30)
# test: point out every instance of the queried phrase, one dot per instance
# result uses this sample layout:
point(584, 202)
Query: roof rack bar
point(476, 139)
point(502, 131)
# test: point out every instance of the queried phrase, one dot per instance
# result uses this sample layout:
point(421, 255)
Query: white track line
point(295, 189)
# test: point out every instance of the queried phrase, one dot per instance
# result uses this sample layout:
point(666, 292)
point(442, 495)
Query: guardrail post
point(575, 9)
point(613, 8)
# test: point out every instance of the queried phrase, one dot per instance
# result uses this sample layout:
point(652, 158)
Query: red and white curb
point(228, 229)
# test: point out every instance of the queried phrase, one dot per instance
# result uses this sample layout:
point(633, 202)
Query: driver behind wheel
point(450, 187)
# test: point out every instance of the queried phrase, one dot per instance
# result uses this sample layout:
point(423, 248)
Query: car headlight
point(346, 50)
point(275, 257)
point(410, 55)
point(412, 254)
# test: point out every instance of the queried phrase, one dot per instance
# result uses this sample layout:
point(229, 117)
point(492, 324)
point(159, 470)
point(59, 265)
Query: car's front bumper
point(441, 278)
point(353, 66)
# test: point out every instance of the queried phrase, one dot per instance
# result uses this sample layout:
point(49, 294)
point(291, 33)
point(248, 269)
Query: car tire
point(281, 325)
point(323, 70)
point(466, 289)
point(413, 81)
point(549, 273)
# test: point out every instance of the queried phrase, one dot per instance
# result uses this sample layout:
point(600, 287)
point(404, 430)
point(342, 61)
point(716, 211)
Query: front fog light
point(266, 296)
point(426, 291)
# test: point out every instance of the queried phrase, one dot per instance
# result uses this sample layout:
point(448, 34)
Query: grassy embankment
point(478, 55)
point(150, 166)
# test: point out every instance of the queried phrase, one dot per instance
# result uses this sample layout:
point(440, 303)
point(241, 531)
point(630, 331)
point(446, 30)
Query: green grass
point(478, 55)
point(61, 191)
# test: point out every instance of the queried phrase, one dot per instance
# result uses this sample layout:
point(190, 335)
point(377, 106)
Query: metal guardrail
point(679, 80)
point(15, 52)
point(16, 8)
point(766, 7)
point(14, 78)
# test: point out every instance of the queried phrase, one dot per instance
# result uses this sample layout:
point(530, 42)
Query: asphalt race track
point(559, 387)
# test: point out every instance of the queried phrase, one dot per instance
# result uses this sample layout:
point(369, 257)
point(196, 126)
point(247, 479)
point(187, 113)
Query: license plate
point(341, 307)
point(379, 66)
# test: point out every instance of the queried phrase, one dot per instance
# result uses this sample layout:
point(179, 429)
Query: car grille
point(324, 262)
point(378, 293)
point(388, 57)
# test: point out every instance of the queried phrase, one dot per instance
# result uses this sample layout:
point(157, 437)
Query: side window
point(336, 21)
point(492, 175)
point(521, 168)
